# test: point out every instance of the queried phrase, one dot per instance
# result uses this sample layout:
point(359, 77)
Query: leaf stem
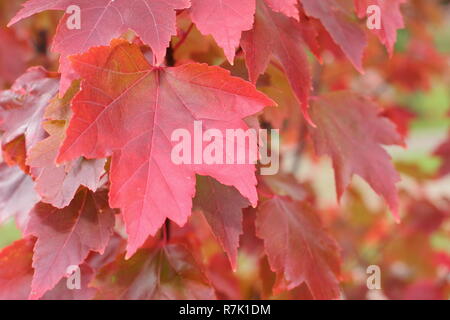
point(184, 37)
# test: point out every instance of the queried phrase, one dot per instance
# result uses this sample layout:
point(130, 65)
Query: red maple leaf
point(225, 20)
point(23, 106)
point(351, 131)
point(390, 16)
point(57, 184)
point(298, 247)
point(288, 7)
point(286, 39)
point(336, 17)
point(103, 20)
point(66, 236)
point(129, 109)
point(168, 272)
point(222, 207)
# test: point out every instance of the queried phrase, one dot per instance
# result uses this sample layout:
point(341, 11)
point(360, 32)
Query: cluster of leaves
point(86, 170)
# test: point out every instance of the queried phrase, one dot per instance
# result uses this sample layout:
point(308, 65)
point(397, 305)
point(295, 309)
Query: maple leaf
point(116, 246)
point(168, 272)
point(224, 20)
point(129, 109)
point(22, 107)
point(62, 292)
point(222, 207)
point(16, 274)
point(68, 75)
point(17, 195)
point(103, 20)
point(350, 130)
point(336, 17)
point(66, 236)
point(275, 33)
point(390, 16)
point(298, 247)
point(288, 7)
point(22, 110)
point(287, 116)
point(57, 185)
point(15, 270)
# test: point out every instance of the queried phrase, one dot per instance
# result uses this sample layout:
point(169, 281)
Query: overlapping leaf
point(66, 236)
point(103, 20)
point(222, 207)
point(129, 109)
point(57, 184)
point(168, 272)
point(16, 274)
point(390, 16)
point(84, 292)
point(298, 247)
point(336, 16)
point(288, 7)
point(23, 109)
point(351, 131)
point(285, 38)
point(225, 20)
point(23, 106)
